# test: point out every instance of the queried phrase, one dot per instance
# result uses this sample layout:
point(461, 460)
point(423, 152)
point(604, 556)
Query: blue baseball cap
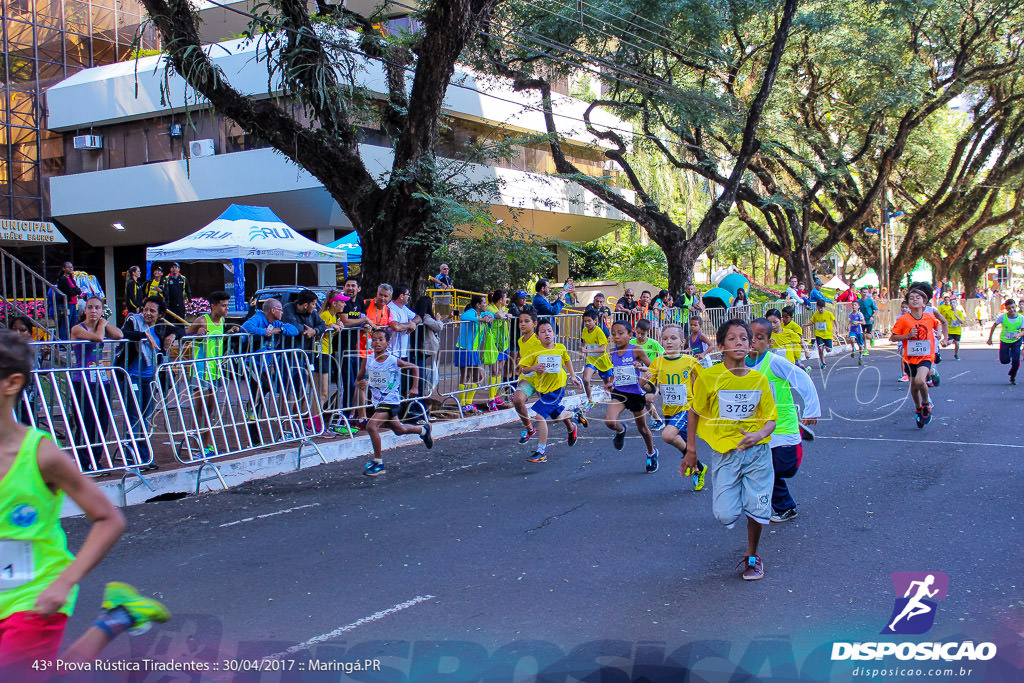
point(520, 294)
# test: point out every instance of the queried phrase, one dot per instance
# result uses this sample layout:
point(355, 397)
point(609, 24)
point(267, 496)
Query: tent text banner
point(30, 232)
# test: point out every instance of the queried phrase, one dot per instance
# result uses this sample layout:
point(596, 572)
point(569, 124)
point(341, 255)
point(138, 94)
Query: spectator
point(496, 347)
point(740, 306)
point(209, 374)
point(849, 296)
point(334, 302)
point(791, 291)
point(267, 323)
point(353, 318)
point(377, 315)
point(92, 386)
point(155, 284)
point(134, 290)
point(801, 291)
point(643, 306)
point(443, 280)
point(815, 296)
point(403, 322)
point(602, 312)
point(140, 360)
point(467, 350)
point(516, 305)
point(569, 288)
point(25, 409)
point(67, 313)
point(690, 302)
point(627, 304)
point(176, 291)
point(541, 303)
point(302, 314)
point(426, 344)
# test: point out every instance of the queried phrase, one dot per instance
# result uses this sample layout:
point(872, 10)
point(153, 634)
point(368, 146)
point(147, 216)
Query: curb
point(264, 465)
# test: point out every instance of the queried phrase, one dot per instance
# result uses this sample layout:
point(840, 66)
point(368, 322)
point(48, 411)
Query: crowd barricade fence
point(224, 406)
point(94, 415)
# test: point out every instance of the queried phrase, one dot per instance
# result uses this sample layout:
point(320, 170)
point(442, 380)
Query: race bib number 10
point(738, 405)
point(16, 565)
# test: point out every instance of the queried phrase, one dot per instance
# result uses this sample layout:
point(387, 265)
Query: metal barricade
point(228, 405)
point(94, 415)
point(466, 363)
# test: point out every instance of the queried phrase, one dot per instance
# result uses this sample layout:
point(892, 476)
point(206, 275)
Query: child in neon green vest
point(1009, 337)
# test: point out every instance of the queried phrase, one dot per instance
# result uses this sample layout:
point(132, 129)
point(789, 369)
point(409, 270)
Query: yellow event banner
point(30, 232)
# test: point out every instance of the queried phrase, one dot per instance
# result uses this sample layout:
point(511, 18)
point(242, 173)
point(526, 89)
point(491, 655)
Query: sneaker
point(142, 610)
point(865, 352)
point(1013, 381)
point(860, 360)
point(470, 410)
point(652, 462)
point(917, 418)
point(930, 383)
point(525, 435)
point(499, 402)
point(823, 366)
point(935, 380)
point(806, 433)
point(491, 407)
point(926, 414)
point(784, 516)
point(537, 457)
point(374, 469)
point(852, 353)
point(581, 418)
point(588, 406)
point(342, 430)
point(904, 378)
point(698, 478)
point(209, 452)
point(956, 356)
point(753, 568)
point(620, 439)
point(428, 439)
point(573, 435)
point(657, 424)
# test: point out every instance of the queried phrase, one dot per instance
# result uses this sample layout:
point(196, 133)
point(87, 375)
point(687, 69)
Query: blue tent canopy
point(351, 246)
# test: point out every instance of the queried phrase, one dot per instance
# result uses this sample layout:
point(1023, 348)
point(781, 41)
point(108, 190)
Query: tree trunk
point(972, 273)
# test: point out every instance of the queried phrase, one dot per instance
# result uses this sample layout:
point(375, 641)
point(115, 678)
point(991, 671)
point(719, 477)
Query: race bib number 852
point(738, 405)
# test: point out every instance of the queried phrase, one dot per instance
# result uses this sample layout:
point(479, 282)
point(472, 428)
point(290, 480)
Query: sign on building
point(30, 232)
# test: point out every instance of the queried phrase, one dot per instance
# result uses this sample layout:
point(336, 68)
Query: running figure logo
point(914, 612)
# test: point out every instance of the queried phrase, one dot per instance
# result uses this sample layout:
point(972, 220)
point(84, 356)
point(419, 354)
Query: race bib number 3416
point(738, 405)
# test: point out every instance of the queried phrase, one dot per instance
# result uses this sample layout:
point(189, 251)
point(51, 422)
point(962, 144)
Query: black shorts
point(827, 343)
point(326, 365)
point(955, 337)
point(390, 409)
point(869, 328)
point(634, 403)
point(919, 364)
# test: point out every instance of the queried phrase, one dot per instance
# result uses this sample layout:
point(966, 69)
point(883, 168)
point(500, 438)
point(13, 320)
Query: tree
point(498, 257)
point(709, 100)
point(313, 120)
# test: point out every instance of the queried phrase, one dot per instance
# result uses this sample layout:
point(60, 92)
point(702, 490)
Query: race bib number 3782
point(738, 405)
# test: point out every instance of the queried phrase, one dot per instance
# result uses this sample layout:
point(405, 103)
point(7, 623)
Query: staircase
point(23, 292)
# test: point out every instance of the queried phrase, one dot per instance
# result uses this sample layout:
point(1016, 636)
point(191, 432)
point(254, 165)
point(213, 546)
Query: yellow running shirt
point(822, 323)
point(595, 347)
point(527, 347)
point(951, 317)
point(675, 377)
point(555, 360)
point(788, 341)
point(729, 404)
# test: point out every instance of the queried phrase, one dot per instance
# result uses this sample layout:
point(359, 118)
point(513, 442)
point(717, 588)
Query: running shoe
point(904, 378)
point(860, 360)
point(573, 435)
point(784, 516)
point(652, 462)
point(753, 568)
point(470, 410)
point(428, 438)
point(537, 457)
point(525, 435)
point(865, 352)
point(209, 452)
point(581, 418)
point(342, 430)
point(918, 419)
point(588, 406)
point(500, 402)
point(851, 353)
point(806, 433)
point(657, 424)
point(935, 380)
point(142, 610)
point(491, 407)
point(620, 439)
point(823, 366)
point(956, 356)
point(698, 478)
point(1013, 381)
point(374, 469)
point(930, 383)
point(926, 413)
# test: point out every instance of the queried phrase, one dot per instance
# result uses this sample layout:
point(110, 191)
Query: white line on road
point(270, 514)
point(960, 375)
point(376, 616)
point(943, 443)
point(899, 400)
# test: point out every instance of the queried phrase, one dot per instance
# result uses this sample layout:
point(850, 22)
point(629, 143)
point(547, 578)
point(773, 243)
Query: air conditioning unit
point(88, 142)
point(201, 148)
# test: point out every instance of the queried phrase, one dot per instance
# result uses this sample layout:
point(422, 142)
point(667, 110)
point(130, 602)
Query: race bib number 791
point(738, 405)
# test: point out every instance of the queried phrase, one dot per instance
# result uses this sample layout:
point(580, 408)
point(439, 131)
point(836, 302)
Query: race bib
point(673, 394)
point(379, 379)
point(625, 375)
point(821, 327)
point(551, 363)
point(738, 405)
point(16, 564)
point(594, 349)
point(918, 347)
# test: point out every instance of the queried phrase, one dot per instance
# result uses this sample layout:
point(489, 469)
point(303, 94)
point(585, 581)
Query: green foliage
point(501, 256)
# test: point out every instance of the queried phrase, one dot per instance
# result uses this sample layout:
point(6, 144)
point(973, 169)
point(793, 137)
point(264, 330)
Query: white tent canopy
point(245, 233)
point(835, 283)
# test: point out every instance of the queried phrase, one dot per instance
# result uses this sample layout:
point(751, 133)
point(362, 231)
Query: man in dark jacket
point(176, 291)
point(541, 304)
point(67, 315)
point(303, 315)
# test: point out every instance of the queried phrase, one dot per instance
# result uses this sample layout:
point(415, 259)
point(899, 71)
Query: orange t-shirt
point(923, 347)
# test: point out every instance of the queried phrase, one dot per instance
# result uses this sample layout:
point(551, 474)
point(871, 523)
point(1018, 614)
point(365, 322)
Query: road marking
point(943, 443)
point(376, 616)
point(960, 375)
point(899, 400)
point(270, 514)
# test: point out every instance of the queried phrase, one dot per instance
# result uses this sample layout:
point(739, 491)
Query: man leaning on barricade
point(268, 331)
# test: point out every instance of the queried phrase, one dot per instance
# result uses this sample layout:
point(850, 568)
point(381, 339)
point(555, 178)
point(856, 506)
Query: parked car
point(283, 293)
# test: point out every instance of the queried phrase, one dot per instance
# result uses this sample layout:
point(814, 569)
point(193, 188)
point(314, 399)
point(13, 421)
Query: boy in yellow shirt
point(788, 323)
point(952, 311)
point(595, 351)
point(672, 375)
point(734, 412)
point(528, 343)
point(784, 339)
point(823, 323)
point(549, 365)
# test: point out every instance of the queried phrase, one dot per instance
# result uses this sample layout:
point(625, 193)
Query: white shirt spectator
point(400, 340)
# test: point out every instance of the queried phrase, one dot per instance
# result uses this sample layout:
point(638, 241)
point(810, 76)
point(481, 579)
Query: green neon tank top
point(1010, 327)
point(783, 393)
point(33, 547)
point(212, 347)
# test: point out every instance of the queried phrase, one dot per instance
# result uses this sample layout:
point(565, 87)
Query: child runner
point(383, 373)
point(953, 311)
point(787, 449)
point(857, 334)
point(1009, 338)
point(783, 340)
point(823, 323)
point(627, 361)
point(904, 368)
point(550, 363)
point(653, 350)
point(673, 375)
point(467, 354)
point(917, 330)
point(696, 343)
point(788, 323)
point(528, 343)
point(495, 352)
point(40, 577)
point(595, 349)
point(732, 409)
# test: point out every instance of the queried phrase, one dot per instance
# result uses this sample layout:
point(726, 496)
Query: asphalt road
point(468, 561)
